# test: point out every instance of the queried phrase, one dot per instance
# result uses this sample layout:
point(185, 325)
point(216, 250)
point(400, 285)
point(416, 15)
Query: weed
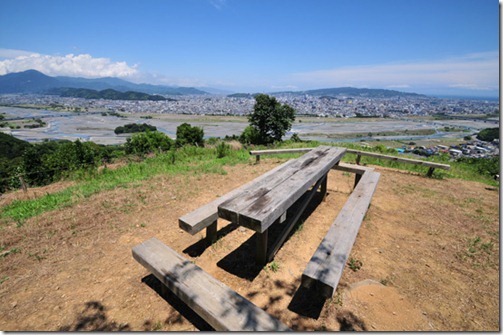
point(355, 264)
point(143, 225)
point(336, 299)
point(8, 252)
point(4, 279)
point(157, 326)
point(36, 256)
point(300, 227)
point(274, 266)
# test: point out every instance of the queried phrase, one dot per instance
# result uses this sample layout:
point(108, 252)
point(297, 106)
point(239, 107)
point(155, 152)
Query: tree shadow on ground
point(350, 322)
point(183, 310)
point(197, 249)
point(93, 318)
point(241, 261)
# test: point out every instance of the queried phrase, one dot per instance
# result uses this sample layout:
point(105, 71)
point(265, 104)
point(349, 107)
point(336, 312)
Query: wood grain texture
point(260, 207)
point(279, 151)
point(221, 307)
point(204, 216)
point(400, 159)
point(326, 265)
point(359, 153)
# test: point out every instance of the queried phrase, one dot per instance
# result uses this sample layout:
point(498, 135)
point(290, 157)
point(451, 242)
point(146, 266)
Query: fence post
point(23, 184)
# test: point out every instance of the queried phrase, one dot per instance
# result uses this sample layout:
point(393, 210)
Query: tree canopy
point(186, 134)
point(271, 119)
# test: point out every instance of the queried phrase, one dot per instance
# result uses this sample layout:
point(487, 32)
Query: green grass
point(189, 160)
point(200, 161)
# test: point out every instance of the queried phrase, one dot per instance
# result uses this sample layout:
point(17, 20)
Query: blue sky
point(423, 46)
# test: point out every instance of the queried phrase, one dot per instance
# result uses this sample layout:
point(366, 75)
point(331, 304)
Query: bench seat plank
point(259, 208)
point(220, 306)
point(324, 270)
point(204, 216)
point(400, 159)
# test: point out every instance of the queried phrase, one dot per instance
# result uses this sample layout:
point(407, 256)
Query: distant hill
point(32, 81)
point(352, 92)
point(242, 95)
point(109, 94)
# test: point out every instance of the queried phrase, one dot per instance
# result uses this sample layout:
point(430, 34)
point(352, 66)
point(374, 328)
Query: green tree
point(489, 134)
point(186, 134)
point(270, 118)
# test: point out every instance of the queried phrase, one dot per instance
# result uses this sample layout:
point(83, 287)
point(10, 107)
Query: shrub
point(250, 135)
point(144, 143)
point(186, 134)
point(223, 149)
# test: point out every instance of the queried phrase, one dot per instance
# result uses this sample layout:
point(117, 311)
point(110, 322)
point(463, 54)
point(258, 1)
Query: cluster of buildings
point(473, 149)
point(305, 105)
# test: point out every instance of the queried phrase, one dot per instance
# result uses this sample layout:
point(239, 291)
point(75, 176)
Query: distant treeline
point(109, 94)
point(489, 134)
point(134, 128)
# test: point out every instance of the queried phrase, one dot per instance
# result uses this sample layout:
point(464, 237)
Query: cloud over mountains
point(83, 65)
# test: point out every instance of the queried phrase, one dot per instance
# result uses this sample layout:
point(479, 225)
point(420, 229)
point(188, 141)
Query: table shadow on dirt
point(241, 261)
point(197, 249)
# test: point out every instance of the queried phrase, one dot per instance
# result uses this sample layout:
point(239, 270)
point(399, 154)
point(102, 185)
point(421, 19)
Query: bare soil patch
point(428, 250)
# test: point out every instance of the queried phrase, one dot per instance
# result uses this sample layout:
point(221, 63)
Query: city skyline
point(448, 47)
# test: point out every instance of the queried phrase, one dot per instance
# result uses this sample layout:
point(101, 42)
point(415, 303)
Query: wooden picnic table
point(266, 201)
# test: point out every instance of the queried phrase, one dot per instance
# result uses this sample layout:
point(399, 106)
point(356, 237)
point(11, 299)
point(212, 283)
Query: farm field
point(426, 257)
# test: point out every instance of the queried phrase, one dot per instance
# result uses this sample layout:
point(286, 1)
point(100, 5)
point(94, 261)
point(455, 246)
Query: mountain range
point(32, 81)
point(351, 92)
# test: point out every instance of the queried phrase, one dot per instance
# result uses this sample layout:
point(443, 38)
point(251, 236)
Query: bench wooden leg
point(358, 157)
point(323, 187)
point(257, 159)
point(261, 257)
point(430, 172)
point(211, 233)
point(357, 179)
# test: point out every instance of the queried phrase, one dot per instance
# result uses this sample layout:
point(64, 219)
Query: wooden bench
point(358, 170)
point(324, 270)
point(220, 306)
point(257, 153)
point(432, 166)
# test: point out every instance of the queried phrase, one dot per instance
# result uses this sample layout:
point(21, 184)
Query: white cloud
point(83, 65)
point(478, 71)
point(218, 4)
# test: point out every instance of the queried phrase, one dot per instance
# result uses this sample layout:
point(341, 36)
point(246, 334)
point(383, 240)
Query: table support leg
point(211, 232)
point(261, 257)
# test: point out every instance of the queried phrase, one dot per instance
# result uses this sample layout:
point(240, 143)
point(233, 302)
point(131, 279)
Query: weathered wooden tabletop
point(260, 206)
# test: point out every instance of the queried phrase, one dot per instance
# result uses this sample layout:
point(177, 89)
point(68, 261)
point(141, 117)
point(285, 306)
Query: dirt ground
point(426, 258)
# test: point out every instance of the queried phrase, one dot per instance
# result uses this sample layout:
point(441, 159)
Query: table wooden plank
point(259, 209)
point(204, 216)
point(237, 202)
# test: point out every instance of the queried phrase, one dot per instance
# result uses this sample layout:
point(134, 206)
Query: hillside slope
point(429, 253)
